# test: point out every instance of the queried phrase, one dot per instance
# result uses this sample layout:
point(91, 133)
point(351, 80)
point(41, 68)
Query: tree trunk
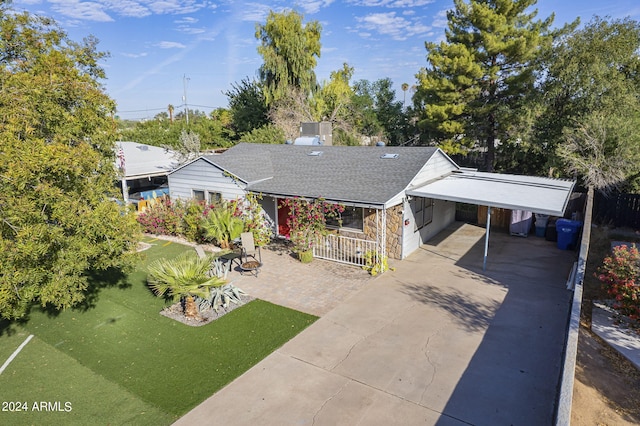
point(490, 158)
point(190, 308)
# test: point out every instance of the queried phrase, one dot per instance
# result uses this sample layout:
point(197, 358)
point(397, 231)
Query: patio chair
point(248, 260)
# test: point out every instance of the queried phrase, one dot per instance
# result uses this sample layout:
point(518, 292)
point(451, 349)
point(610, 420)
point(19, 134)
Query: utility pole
point(184, 96)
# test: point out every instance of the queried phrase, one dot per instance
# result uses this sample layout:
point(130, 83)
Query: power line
point(165, 108)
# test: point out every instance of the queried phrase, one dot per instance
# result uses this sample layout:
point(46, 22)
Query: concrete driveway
point(435, 342)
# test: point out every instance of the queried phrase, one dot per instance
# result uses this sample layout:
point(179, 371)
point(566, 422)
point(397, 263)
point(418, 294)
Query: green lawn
point(119, 361)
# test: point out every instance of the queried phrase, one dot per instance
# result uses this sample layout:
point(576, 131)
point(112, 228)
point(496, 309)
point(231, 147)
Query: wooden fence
point(620, 210)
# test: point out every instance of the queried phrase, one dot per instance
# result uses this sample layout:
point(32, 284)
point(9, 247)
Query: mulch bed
point(176, 312)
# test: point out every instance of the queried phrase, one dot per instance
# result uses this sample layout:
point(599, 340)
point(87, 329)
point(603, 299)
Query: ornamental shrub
point(308, 219)
point(619, 273)
point(256, 221)
point(194, 214)
point(194, 220)
point(162, 216)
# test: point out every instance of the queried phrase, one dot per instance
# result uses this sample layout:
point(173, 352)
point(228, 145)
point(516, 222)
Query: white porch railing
point(343, 249)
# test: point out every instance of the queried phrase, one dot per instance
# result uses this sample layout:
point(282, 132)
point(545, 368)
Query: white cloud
point(170, 45)
point(311, 7)
point(397, 27)
point(101, 10)
point(129, 8)
point(134, 55)
point(440, 20)
point(391, 3)
point(175, 6)
point(255, 12)
point(88, 11)
point(186, 20)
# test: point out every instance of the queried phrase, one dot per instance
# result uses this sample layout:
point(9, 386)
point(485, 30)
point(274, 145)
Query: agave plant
point(221, 297)
point(184, 278)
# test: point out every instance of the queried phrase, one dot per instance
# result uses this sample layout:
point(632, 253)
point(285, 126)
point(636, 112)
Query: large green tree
point(589, 102)
point(473, 89)
point(289, 51)
point(58, 223)
point(214, 131)
point(247, 106)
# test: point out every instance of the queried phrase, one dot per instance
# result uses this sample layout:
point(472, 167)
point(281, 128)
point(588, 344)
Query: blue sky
point(162, 49)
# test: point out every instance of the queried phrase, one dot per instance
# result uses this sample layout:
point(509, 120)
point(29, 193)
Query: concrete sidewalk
point(435, 342)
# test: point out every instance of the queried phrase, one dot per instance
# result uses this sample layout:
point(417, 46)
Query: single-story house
point(392, 205)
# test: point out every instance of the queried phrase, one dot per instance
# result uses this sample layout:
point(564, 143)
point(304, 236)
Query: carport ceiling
point(538, 195)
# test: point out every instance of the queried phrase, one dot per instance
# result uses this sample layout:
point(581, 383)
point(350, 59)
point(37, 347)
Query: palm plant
point(183, 278)
point(222, 226)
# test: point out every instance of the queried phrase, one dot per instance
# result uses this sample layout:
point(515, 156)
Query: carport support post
point(486, 239)
point(125, 191)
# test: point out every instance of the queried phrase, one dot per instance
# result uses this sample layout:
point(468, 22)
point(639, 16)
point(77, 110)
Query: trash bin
point(567, 233)
point(541, 224)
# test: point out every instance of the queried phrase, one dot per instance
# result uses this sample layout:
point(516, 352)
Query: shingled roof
point(339, 173)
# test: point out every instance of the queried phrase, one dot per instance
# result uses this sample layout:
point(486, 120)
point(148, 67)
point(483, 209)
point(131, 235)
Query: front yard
point(119, 361)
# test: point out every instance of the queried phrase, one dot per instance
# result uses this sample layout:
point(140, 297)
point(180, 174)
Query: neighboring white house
point(143, 168)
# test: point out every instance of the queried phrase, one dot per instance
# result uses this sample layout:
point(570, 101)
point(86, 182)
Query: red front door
point(283, 217)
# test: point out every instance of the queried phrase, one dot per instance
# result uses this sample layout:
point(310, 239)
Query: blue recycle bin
point(567, 233)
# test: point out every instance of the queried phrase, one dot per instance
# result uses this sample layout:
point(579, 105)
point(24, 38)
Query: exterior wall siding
point(444, 213)
point(201, 175)
point(437, 166)
point(269, 205)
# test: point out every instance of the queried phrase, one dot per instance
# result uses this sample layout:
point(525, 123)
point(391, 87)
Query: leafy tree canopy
point(58, 224)
point(591, 97)
point(247, 106)
point(214, 131)
point(289, 50)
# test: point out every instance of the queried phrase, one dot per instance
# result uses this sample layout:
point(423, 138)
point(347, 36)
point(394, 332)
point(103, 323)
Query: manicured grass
point(121, 352)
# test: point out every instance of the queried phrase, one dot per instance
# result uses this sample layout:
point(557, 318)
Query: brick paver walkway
point(314, 288)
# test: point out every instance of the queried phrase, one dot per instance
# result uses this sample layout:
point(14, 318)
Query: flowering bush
point(167, 217)
point(162, 216)
point(619, 273)
point(193, 219)
point(308, 219)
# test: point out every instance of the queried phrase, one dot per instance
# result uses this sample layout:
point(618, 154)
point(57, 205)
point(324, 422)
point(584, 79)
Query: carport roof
point(536, 194)
point(145, 161)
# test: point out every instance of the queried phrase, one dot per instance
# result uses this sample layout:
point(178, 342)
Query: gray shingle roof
point(340, 173)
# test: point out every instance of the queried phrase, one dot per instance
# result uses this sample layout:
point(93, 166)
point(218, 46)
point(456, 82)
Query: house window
point(422, 212)
point(351, 218)
point(198, 195)
point(215, 197)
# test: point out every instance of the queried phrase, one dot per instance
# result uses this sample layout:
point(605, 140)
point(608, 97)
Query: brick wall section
point(394, 232)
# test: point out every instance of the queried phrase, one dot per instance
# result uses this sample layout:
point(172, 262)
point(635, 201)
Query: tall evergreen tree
point(475, 83)
point(289, 51)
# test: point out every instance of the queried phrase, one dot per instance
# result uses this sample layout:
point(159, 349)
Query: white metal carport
point(535, 194)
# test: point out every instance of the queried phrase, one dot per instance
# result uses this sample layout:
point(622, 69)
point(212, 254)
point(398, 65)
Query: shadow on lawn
point(97, 281)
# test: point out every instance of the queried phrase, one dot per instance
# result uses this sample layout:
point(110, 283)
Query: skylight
point(315, 153)
point(390, 155)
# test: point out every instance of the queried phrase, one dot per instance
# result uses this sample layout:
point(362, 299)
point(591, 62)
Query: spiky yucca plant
point(184, 277)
